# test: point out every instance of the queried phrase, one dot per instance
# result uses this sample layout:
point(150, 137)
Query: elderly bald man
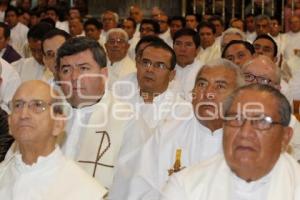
point(263, 70)
point(38, 169)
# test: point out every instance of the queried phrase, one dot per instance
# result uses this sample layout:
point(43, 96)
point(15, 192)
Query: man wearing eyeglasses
point(263, 70)
point(158, 111)
point(50, 44)
point(178, 143)
point(33, 68)
point(119, 64)
point(95, 128)
point(37, 169)
point(255, 164)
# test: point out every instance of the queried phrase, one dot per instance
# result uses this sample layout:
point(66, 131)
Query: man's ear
point(172, 75)
point(287, 135)
point(104, 71)
point(59, 124)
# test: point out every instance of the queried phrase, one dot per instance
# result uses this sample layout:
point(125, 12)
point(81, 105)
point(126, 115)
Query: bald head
point(295, 24)
point(34, 122)
point(35, 89)
point(262, 69)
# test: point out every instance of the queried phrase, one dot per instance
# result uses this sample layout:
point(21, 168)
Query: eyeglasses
point(36, 106)
point(156, 65)
point(261, 123)
point(117, 41)
point(259, 79)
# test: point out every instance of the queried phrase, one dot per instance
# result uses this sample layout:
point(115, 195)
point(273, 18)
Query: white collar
point(43, 162)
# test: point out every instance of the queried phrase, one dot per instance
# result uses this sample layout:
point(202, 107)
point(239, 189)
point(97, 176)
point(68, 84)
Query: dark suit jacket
point(5, 139)
point(10, 55)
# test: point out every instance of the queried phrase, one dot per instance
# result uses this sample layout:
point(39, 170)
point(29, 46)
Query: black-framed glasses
point(156, 65)
point(261, 123)
point(35, 105)
point(259, 79)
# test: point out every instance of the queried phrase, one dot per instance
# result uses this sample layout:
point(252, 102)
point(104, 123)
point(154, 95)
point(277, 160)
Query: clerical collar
point(243, 185)
point(42, 162)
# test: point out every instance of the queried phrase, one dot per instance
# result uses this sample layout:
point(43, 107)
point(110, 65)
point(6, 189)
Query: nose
point(75, 73)
point(209, 93)
point(24, 112)
point(246, 129)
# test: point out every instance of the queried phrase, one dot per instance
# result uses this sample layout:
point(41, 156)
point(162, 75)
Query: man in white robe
point(186, 46)
point(137, 14)
point(18, 34)
point(255, 164)
point(109, 20)
point(210, 49)
point(265, 45)
point(175, 142)
point(52, 13)
point(33, 68)
point(261, 69)
point(164, 29)
point(94, 131)
point(292, 38)
point(153, 103)
point(38, 170)
point(129, 25)
point(250, 28)
point(119, 64)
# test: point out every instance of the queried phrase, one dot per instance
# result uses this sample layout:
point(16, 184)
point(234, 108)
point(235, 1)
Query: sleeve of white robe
point(173, 190)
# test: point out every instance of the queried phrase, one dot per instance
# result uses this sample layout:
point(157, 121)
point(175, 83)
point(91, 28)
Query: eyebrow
point(221, 81)
point(201, 79)
point(81, 64)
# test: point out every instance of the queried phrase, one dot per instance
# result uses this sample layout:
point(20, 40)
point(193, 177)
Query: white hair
point(229, 65)
point(116, 16)
point(117, 30)
point(267, 61)
point(233, 31)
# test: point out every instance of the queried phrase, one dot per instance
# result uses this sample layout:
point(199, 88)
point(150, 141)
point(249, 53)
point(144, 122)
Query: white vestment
point(131, 51)
point(280, 41)
point(18, 37)
point(210, 53)
point(94, 136)
point(251, 36)
point(294, 64)
point(10, 82)
point(166, 37)
point(51, 177)
point(64, 25)
point(29, 69)
point(151, 144)
point(292, 44)
point(119, 69)
point(213, 180)
point(185, 77)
